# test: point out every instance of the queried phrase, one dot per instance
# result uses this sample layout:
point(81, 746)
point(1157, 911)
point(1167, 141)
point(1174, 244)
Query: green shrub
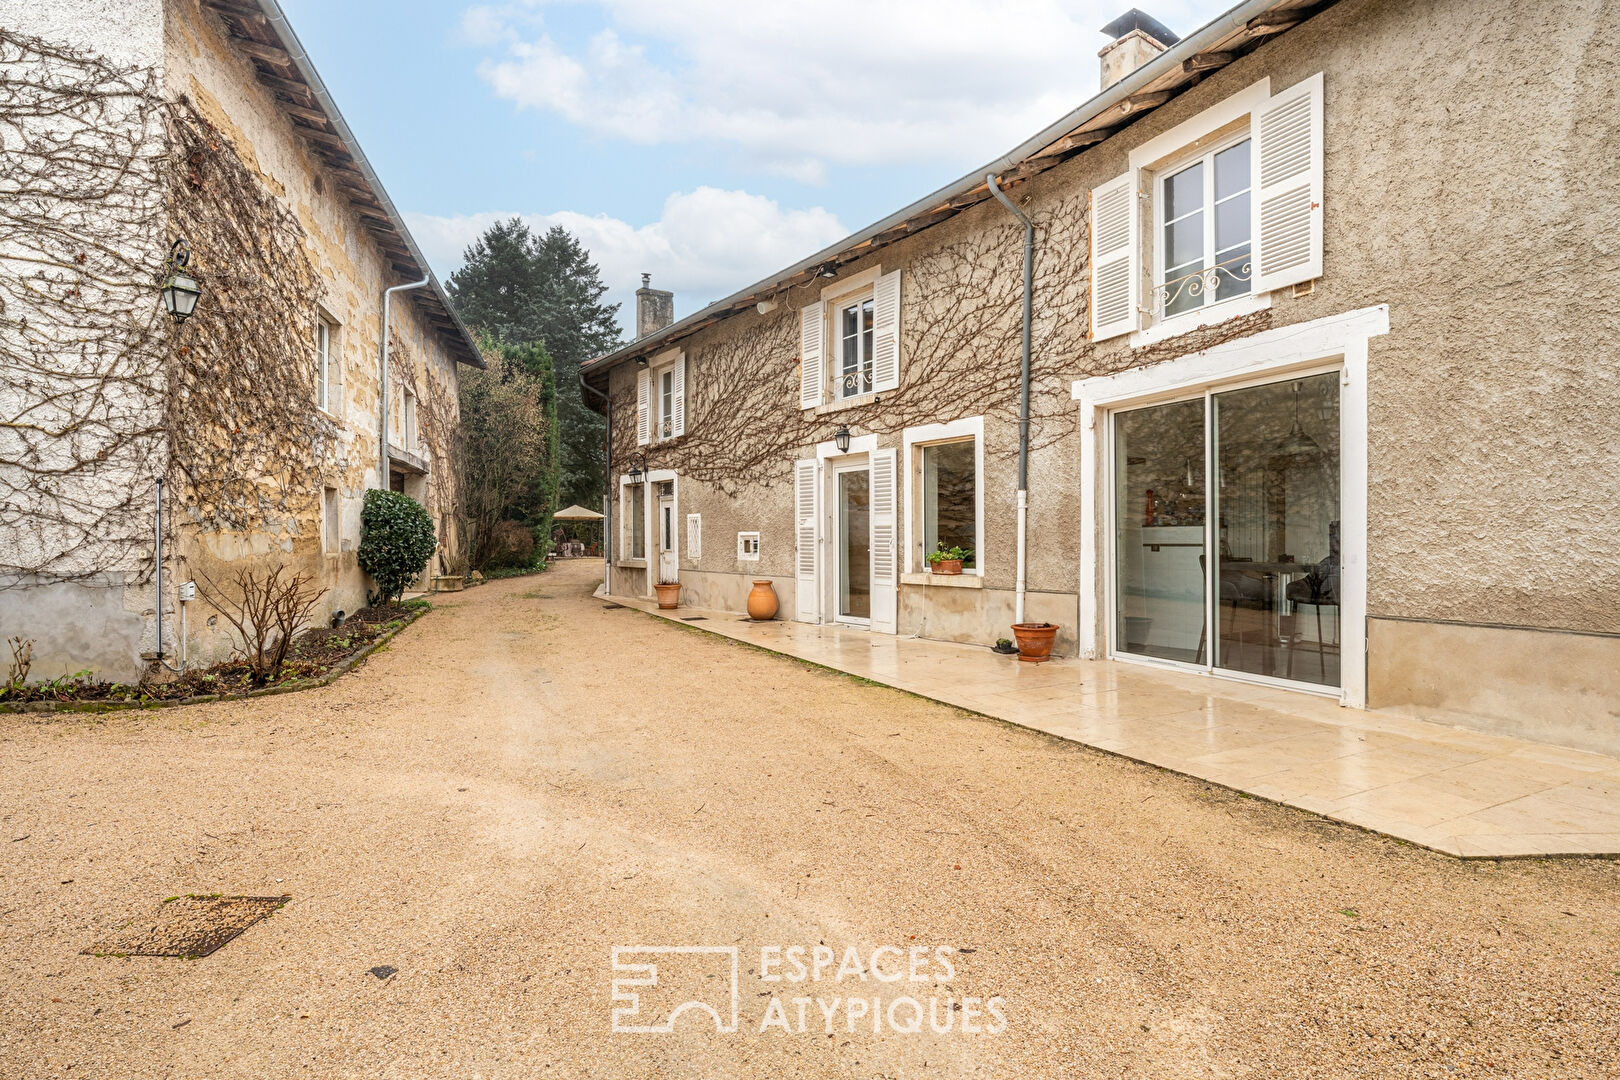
point(396, 541)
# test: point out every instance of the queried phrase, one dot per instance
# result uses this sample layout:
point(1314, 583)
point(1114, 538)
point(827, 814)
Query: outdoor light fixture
point(841, 438)
point(636, 472)
point(641, 361)
point(180, 289)
point(827, 270)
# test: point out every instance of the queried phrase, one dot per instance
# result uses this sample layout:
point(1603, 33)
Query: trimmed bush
point(396, 541)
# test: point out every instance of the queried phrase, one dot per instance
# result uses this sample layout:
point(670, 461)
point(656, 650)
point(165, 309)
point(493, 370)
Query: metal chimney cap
point(646, 280)
point(1137, 19)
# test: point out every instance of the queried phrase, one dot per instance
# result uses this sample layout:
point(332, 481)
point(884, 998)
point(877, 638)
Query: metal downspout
point(382, 426)
point(1023, 395)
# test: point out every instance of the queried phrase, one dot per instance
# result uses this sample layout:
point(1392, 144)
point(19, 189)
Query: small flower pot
point(1035, 641)
point(1008, 649)
point(762, 602)
point(948, 566)
point(669, 596)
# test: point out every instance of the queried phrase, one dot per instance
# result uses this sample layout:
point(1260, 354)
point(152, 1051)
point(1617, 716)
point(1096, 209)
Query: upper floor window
point(849, 341)
point(661, 400)
point(327, 375)
point(1211, 217)
point(854, 372)
point(1205, 232)
point(409, 431)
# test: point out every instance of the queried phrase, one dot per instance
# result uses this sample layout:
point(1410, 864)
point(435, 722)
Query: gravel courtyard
point(527, 778)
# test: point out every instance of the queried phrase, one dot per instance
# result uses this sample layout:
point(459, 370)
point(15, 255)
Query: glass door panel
point(1277, 509)
point(854, 535)
point(1159, 513)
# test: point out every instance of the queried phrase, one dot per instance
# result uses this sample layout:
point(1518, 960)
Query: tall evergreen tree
point(523, 289)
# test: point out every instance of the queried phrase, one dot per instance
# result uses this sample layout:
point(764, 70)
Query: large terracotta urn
point(762, 602)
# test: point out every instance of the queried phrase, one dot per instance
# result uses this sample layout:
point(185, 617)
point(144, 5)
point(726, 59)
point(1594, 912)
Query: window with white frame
point(853, 371)
point(635, 511)
point(950, 500)
point(666, 403)
point(661, 399)
point(1204, 231)
point(409, 431)
point(325, 366)
point(748, 546)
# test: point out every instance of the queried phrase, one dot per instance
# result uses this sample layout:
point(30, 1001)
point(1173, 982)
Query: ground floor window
point(1226, 537)
point(638, 521)
point(950, 498)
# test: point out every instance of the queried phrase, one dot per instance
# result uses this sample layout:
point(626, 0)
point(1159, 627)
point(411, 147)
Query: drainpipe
point(607, 490)
point(158, 547)
point(382, 429)
point(1023, 394)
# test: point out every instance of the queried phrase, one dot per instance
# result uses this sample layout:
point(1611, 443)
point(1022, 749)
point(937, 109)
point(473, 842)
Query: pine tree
point(522, 289)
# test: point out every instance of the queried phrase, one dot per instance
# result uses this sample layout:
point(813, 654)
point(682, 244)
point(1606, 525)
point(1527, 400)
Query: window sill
point(965, 580)
point(1214, 315)
point(632, 564)
point(846, 403)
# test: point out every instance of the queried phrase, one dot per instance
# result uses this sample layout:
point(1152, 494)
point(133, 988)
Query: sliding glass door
point(1267, 603)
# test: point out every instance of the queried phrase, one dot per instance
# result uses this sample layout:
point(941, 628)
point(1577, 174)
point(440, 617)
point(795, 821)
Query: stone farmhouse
point(1285, 358)
point(144, 142)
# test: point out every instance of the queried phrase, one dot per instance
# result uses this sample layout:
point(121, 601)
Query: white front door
point(668, 556)
point(851, 533)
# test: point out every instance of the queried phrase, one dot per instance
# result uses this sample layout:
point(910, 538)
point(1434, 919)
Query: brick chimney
point(655, 308)
point(1138, 38)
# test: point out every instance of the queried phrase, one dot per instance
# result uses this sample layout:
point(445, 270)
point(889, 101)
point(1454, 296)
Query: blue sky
point(709, 142)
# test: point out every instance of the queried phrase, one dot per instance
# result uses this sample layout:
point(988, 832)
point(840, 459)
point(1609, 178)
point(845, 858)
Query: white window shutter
point(643, 404)
point(806, 606)
point(694, 537)
point(1115, 258)
point(1288, 187)
point(678, 421)
point(886, 333)
point(810, 376)
point(885, 554)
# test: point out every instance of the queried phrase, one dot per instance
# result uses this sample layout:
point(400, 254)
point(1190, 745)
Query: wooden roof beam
point(1208, 61)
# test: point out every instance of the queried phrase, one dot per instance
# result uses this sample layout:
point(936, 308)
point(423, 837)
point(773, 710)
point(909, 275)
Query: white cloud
point(707, 243)
point(796, 86)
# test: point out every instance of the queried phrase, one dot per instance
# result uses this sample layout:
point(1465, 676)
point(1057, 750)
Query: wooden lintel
point(1206, 61)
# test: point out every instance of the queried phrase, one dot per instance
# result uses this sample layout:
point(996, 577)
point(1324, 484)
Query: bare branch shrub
point(22, 658)
point(267, 610)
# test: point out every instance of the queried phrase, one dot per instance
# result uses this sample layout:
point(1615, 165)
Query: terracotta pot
point(669, 596)
point(1035, 641)
point(762, 602)
point(948, 566)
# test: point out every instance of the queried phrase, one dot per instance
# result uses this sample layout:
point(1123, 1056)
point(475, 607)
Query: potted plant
point(1005, 647)
point(669, 594)
point(1035, 641)
point(944, 560)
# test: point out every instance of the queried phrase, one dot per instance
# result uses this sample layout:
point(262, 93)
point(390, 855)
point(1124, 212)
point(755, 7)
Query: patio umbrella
point(576, 513)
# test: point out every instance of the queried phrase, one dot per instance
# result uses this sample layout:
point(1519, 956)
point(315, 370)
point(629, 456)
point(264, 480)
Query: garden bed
point(316, 657)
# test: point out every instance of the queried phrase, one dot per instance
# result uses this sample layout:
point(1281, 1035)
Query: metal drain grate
point(694, 618)
point(187, 926)
point(612, 607)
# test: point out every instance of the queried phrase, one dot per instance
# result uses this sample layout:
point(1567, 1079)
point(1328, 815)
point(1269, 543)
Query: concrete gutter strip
point(1215, 30)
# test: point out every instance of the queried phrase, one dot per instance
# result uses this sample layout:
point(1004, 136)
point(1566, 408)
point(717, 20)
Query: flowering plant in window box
point(944, 560)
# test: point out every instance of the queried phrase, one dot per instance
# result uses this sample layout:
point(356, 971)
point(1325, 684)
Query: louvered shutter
point(1288, 187)
point(810, 376)
point(694, 537)
point(1115, 258)
point(806, 605)
point(678, 421)
point(643, 411)
point(885, 555)
point(886, 333)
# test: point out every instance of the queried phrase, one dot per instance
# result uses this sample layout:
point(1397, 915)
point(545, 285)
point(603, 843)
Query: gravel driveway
point(527, 778)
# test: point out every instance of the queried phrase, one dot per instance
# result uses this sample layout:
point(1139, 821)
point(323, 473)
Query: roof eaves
point(288, 53)
point(1245, 19)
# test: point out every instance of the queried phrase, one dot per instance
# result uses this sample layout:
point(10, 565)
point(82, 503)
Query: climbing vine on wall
point(246, 441)
point(83, 341)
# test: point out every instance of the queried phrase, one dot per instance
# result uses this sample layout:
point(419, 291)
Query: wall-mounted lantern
point(841, 438)
point(180, 289)
point(636, 471)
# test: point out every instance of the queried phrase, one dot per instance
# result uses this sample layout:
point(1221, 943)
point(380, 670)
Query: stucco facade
point(1466, 200)
point(259, 470)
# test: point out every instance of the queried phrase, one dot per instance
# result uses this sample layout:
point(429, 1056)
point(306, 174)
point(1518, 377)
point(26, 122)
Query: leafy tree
point(509, 452)
point(396, 541)
point(524, 289)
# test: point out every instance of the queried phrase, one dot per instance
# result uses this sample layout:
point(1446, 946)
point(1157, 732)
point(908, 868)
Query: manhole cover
point(694, 618)
point(187, 926)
